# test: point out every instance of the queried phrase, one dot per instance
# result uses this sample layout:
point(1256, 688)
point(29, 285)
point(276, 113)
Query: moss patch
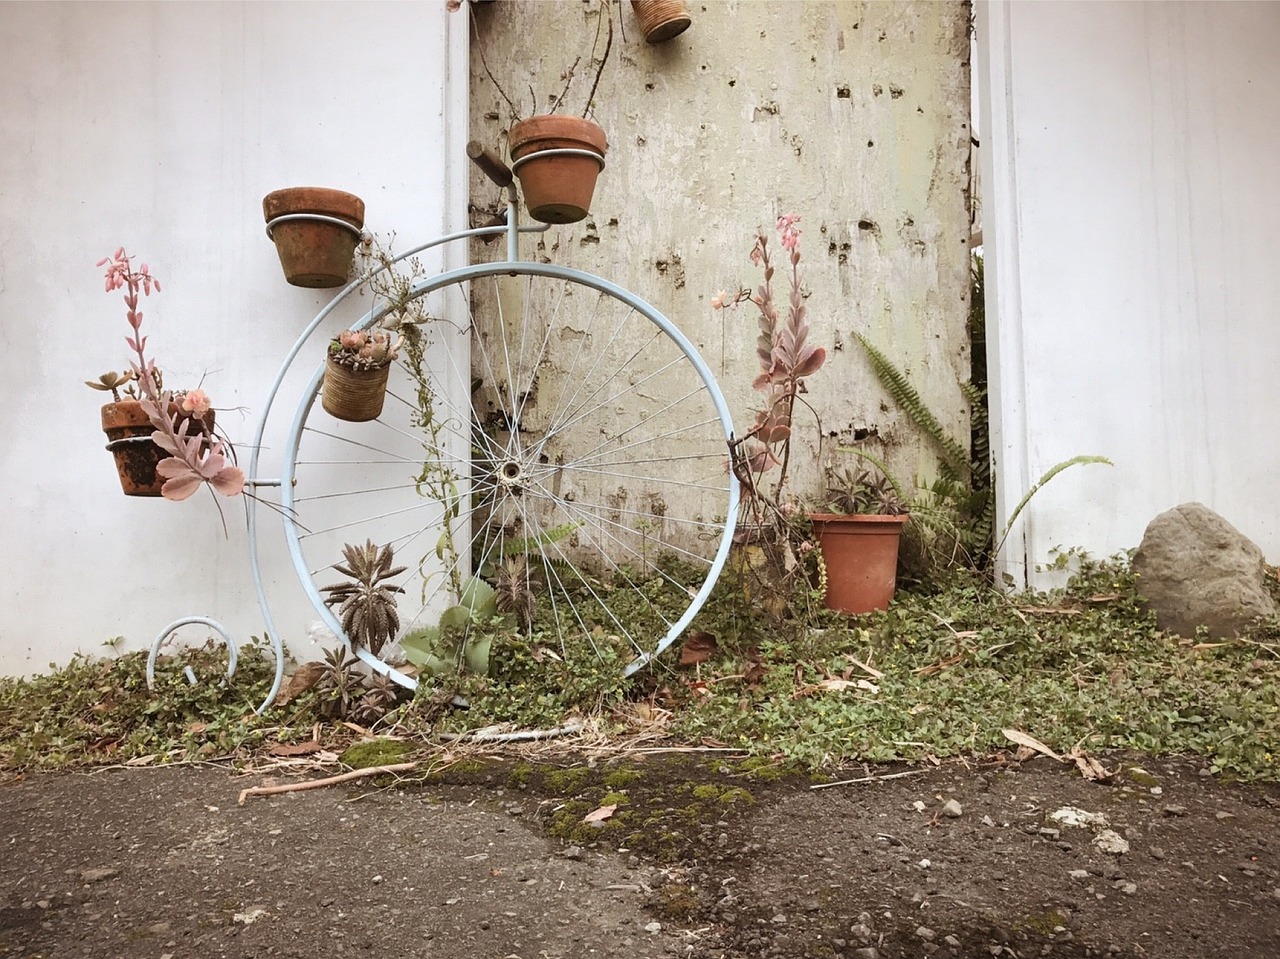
point(375, 752)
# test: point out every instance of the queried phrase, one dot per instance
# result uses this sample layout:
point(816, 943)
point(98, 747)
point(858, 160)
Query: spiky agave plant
point(380, 695)
point(366, 604)
point(516, 583)
point(340, 685)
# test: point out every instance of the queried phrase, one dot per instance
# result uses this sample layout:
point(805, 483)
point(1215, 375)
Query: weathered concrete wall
point(854, 116)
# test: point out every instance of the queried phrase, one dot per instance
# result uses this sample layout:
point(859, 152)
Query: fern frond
point(907, 397)
point(1052, 472)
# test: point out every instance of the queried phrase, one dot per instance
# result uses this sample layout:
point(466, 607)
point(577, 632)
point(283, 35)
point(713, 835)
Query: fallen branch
point(328, 781)
point(870, 779)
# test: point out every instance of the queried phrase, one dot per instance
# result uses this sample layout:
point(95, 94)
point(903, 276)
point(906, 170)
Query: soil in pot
point(861, 558)
point(557, 187)
point(315, 253)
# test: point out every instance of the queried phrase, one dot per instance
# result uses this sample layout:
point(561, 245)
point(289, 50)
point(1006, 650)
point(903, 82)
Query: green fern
point(954, 457)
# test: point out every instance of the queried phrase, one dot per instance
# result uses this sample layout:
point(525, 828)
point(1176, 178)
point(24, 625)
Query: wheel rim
point(579, 457)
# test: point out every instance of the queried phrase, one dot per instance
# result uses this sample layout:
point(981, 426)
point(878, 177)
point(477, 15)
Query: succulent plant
point(380, 695)
point(340, 684)
point(363, 349)
point(864, 492)
point(366, 604)
point(515, 583)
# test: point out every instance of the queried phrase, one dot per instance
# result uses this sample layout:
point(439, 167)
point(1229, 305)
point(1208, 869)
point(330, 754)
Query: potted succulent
point(356, 370)
point(858, 536)
point(315, 230)
point(163, 441)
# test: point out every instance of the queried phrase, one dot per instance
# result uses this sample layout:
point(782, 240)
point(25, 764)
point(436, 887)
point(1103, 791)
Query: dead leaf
point(833, 685)
point(305, 677)
point(1030, 742)
point(601, 814)
point(294, 749)
point(698, 647)
point(1090, 768)
point(869, 670)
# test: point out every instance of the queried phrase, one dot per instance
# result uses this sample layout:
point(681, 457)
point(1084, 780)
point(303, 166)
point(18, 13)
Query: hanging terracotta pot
point(861, 558)
point(314, 252)
point(660, 20)
point(129, 431)
point(354, 395)
point(558, 159)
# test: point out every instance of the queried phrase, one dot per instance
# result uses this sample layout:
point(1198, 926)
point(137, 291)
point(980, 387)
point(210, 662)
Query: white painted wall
point(161, 127)
point(1131, 219)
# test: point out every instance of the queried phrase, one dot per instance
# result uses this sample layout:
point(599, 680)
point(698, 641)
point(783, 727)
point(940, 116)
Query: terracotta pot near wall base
point(129, 432)
point(861, 557)
point(558, 160)
point(314, 252)
point(661, 20)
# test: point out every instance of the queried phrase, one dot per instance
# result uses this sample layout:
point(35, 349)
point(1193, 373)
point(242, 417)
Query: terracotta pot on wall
point(861, 557)
point(557, 186)
point(313, 252)
point(129, 432)
point(660, 20)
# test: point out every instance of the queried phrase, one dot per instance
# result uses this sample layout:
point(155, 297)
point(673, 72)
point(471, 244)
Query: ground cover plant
point(939, 676)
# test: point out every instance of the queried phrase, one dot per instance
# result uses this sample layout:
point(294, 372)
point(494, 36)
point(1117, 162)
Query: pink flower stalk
point(784, 354)
point(192, 460)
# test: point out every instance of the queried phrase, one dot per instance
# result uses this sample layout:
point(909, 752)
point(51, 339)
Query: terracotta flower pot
point(861, 557)
point(557, 186)
point(129, 431)
point(660, 20)
point(354, 395)
point(314, 253)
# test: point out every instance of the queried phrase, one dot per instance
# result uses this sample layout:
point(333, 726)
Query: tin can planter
point(129, 431)
point(558, 159)
point(354, 395)
point(861, 558)
point(661, 20)
point(315, 231)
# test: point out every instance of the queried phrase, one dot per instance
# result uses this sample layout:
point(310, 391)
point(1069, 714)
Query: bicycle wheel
point(568, 479)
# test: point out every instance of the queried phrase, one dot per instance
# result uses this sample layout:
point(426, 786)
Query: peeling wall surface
point(161, 127)
point(1132, 217)
point(852, 115)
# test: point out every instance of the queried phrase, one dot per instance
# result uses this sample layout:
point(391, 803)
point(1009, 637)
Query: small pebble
point(924, 932)
point(377, 880)
point(653, 927)
point(952, 809)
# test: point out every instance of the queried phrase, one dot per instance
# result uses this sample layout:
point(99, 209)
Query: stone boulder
point(1196, 569)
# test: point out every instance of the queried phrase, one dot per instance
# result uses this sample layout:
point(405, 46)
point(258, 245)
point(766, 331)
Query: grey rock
point(98, 873)
point(952, 809)
point(870, 952)
point(924, 932)
point(860, 933)
point(1196, 569)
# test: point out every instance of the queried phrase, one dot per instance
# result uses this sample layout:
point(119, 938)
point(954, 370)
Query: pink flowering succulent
point(786, 358)
point(196, 454)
